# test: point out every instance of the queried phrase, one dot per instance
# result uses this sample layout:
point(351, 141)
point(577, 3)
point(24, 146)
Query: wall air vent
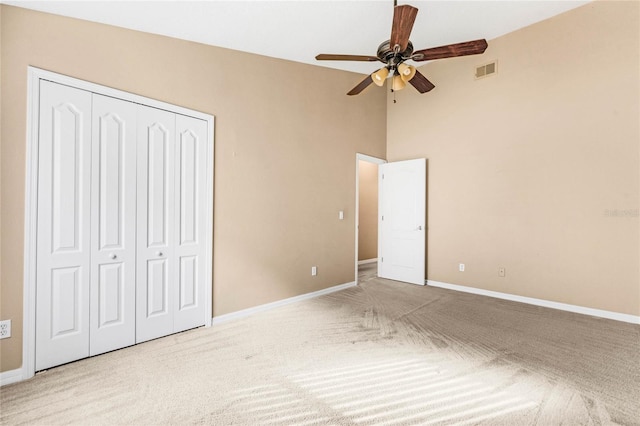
point(487, 69)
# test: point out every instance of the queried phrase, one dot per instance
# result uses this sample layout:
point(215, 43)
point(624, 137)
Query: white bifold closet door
point(121, 222)
point(156, 143)
point(113, 229)
point(86, 225)
point(64, 229)
point(190, 218)
point(171, 184)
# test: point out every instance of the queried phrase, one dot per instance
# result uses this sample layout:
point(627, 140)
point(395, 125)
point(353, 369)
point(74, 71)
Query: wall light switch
point(314, 271)
point(341, 215)
point(461, 267)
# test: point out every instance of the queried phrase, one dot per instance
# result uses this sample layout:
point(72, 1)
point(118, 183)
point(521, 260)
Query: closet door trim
point(34, 76)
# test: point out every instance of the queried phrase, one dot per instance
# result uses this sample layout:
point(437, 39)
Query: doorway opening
point(366, 217)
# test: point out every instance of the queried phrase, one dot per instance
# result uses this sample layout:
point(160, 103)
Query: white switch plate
point(341, 215)
point(461, 267)
point(314, 271)
point(5, 329)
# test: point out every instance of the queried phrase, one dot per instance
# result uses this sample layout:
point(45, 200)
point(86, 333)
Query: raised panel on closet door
point(155, 300)
point(113, 208)
point(190, 170)
point(63, 251)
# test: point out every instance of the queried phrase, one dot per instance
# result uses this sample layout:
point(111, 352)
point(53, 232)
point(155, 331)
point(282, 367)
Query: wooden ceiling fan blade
point(403, 18)
point(361, 86)
point(474, 47)
point(331, 57)
point(421, 83)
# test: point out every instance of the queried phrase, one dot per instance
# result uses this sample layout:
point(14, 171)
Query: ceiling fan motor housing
point(388, 55)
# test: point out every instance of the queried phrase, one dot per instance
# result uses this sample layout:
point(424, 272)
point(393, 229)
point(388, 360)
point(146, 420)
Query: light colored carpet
point(380, 353)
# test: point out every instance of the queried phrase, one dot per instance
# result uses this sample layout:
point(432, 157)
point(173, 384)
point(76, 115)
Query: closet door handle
point(113, 256)
point(159, 253)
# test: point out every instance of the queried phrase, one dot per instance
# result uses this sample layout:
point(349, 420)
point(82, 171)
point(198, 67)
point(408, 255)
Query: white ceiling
point(298, 30)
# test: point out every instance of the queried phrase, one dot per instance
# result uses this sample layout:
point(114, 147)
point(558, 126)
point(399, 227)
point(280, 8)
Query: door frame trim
point(34, 75)
point(369, 159)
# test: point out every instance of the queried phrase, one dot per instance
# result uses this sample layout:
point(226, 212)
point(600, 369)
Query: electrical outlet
point(461, 267)
point(502, 271)
point(314, 271)
point(5, 329)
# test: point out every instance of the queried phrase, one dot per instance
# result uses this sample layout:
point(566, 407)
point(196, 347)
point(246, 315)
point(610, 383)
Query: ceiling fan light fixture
point(397, 83)
point(406, 72)
point(380, 76)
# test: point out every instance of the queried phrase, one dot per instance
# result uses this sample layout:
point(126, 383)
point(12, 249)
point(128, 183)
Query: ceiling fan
point(398, 49)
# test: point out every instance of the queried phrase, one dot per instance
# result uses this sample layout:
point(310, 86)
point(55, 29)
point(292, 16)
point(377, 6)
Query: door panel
point(63, 251)
point(111, 295)
point(112, 137)
point(66, 165)
point(158, 184)
point(188, 282)
point(188, 157)
point(157, 294)
point(156, 264)
point(402, 210)
point(114, 223)
point(65, 295)
point(191, 175)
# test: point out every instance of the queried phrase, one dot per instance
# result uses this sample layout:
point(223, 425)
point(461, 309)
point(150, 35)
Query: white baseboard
point(633, 319)
point(268, 306)
point(11, 376)
point(364, 262)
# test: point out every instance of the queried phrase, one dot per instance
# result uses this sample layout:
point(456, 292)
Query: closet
point(122, 244)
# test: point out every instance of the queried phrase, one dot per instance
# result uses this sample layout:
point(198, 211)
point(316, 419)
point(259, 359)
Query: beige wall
point(528, 168)
point(286, 139)
point(368, 210)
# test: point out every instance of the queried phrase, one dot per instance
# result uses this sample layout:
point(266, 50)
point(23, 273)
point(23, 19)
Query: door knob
point(113, 256)
point(159, 253)
point(419, 228)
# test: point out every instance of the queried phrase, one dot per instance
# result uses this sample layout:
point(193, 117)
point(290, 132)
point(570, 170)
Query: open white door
point(402, 216)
